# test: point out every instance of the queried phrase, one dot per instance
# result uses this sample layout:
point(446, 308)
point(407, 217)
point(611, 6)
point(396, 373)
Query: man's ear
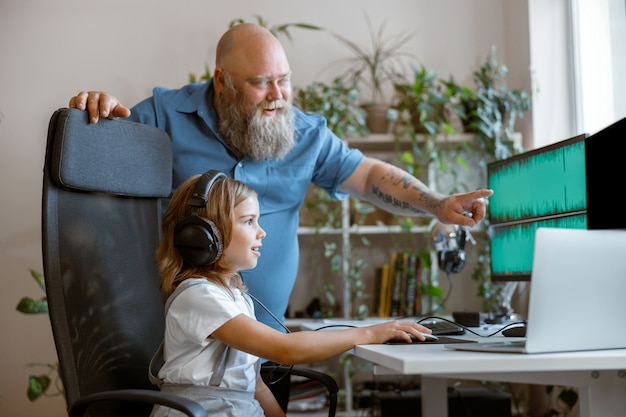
point(218, 76)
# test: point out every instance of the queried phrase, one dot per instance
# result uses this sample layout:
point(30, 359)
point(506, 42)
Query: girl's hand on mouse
point(398, 330)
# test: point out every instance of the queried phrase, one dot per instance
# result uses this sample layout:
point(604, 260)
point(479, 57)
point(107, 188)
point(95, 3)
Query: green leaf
point(37, 386)
point(28, 305)
point(461, 161)
point(39, 278)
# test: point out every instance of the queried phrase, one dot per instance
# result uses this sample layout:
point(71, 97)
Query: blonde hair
point(225, 194)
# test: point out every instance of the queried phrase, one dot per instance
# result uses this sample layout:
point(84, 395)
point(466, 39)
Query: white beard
point(251, 133)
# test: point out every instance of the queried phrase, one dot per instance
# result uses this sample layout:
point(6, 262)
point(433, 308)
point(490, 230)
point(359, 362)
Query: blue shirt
point(318, 157)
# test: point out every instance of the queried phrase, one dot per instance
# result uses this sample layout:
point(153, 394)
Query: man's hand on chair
point(99, 104)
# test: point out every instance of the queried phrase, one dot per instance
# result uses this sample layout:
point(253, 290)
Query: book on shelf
point(382, 283)
point(399, 282)
point(410, 296)
point(397, 286)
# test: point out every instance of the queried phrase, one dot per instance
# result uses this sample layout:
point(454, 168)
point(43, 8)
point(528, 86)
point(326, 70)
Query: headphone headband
point(200, 195)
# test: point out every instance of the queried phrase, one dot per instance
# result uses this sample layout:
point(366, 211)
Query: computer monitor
point(543, 187)
point(512, 245)
point(605, 154)
point(560, 185)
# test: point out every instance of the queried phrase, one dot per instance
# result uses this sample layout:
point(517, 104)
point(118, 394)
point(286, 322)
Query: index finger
point(482, 193)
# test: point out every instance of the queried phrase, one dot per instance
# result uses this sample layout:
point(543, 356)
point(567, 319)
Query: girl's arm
point(256, 338)
point(268, 402)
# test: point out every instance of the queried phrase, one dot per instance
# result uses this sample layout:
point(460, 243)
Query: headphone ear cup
point(198, 240)
point(452, 261)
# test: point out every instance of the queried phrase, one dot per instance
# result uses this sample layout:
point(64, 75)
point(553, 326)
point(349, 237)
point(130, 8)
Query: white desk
point(600, 376)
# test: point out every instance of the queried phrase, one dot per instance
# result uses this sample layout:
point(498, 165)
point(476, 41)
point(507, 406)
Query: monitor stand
point(505, 296)
point(506, 314)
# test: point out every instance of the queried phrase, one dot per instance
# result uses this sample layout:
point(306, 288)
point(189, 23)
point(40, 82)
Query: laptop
point(577, 294)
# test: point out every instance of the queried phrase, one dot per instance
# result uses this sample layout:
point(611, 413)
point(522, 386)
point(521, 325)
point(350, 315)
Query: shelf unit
point(377, 145)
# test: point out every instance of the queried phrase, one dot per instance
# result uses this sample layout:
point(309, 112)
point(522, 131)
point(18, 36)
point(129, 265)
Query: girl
point(212, 341)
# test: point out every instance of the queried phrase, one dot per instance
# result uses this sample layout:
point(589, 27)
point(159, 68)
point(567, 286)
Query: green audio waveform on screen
point(512, 245)
point(546, 182)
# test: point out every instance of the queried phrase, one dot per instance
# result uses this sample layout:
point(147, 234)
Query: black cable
point(514, 324)
point(278, 366)
point(269, 312)
point(329, 326)
point(445, 299)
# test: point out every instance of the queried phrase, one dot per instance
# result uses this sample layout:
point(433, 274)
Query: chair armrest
point(321, 377)
point(185, 405)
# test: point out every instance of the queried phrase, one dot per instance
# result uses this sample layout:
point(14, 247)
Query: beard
point(252, 134)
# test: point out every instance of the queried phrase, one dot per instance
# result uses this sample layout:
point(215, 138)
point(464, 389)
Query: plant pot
point(377, 117)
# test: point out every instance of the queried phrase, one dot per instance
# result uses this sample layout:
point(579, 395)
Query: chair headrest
point(111, 156)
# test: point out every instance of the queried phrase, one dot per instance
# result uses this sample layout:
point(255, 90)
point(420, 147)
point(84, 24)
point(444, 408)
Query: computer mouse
point(427, 338)
point(514, 331)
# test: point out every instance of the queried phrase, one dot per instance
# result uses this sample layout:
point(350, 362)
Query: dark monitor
point(605, 153)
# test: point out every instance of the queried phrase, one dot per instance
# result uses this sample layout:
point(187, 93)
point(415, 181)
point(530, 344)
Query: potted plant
point(376, 68)
point(431, 106)
point(425, 105)
point(338, 103)
point(492, 109)
point(423, 113)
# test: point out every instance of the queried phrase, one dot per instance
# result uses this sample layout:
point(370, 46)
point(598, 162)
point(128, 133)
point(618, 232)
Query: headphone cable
point(278, 366)
point(267, 310)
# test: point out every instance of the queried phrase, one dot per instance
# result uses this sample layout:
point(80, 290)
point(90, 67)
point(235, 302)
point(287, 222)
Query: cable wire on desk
point(469, 329)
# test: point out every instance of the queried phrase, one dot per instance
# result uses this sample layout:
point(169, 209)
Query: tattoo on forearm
point(397, 203)
point(406, 182)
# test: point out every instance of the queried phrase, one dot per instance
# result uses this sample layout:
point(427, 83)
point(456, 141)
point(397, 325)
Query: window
point(598, 39)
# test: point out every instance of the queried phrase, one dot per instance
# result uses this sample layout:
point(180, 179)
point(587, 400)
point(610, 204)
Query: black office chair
point(102, 189)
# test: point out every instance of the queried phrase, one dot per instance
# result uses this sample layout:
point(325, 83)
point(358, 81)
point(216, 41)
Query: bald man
point(242, 122)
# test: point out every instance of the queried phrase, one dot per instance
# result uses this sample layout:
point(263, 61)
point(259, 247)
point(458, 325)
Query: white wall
point(50, 50)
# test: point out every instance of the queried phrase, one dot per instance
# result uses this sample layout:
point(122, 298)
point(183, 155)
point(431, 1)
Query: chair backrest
point(102, 189)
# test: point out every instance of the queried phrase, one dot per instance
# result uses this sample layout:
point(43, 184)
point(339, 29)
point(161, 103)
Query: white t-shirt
point(190, 354)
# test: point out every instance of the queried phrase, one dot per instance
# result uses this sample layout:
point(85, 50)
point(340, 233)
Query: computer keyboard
point(442, 327)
